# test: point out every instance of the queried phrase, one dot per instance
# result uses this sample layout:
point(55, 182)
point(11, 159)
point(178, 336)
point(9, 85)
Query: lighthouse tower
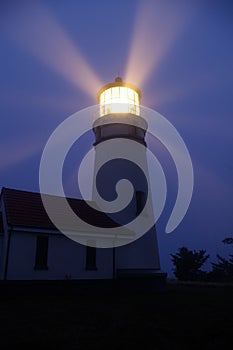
point(119, 118)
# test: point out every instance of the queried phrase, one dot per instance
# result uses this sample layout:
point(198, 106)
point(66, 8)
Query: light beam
point(157, 25)
point(35, 30)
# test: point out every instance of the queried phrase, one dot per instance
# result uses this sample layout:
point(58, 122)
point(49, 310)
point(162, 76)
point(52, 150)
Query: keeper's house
point(31, 248)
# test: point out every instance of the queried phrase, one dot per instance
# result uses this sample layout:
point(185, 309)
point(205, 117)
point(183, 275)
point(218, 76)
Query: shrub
point(188, 263)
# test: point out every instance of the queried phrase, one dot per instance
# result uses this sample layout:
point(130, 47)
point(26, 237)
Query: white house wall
point(66, 259)
point(140, 254)
point(1, 255)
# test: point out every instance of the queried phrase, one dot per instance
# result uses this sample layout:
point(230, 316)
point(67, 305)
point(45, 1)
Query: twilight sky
point(55, 55)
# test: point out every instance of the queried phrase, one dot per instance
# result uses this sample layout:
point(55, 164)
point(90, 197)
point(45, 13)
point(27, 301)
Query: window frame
point(91, 258)
point(41, 257)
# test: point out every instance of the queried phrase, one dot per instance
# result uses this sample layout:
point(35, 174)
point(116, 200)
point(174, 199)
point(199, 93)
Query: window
point(91, 258)
point(139, 202)
point(119, 99)
point(41, 257)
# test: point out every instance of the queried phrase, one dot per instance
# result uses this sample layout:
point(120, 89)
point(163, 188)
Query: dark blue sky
point(55, 55)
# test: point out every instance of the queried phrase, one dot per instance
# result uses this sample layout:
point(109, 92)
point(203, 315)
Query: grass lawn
point(183, 317)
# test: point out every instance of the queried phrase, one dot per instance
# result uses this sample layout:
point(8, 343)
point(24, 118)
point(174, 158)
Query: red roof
point(26, 209)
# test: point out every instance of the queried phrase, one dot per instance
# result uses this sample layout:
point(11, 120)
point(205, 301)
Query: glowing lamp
point(119, 97)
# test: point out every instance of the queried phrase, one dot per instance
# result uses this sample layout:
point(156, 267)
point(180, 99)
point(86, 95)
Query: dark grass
point(182, 317)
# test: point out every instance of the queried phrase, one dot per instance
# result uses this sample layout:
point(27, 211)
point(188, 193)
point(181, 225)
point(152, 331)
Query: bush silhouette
point(188, 263)
point(222, 271)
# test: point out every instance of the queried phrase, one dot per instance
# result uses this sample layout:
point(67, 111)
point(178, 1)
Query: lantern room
point(119, 97)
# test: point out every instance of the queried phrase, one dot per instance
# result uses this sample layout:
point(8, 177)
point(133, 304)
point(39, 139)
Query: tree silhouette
point(228, 240)
point(223, 269)
point(188, 263)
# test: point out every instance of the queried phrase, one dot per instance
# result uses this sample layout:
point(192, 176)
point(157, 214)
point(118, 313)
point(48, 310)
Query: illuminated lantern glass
point(119, 97)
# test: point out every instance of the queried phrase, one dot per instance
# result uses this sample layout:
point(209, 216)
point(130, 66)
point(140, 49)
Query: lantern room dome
point(118, 79)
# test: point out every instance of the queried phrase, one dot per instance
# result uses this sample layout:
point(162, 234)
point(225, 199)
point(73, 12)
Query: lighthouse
point(119, 122)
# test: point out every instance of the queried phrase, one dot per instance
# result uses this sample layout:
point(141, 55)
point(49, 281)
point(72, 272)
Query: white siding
point(66, 259)
point(1, 256)
point(141, 254)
